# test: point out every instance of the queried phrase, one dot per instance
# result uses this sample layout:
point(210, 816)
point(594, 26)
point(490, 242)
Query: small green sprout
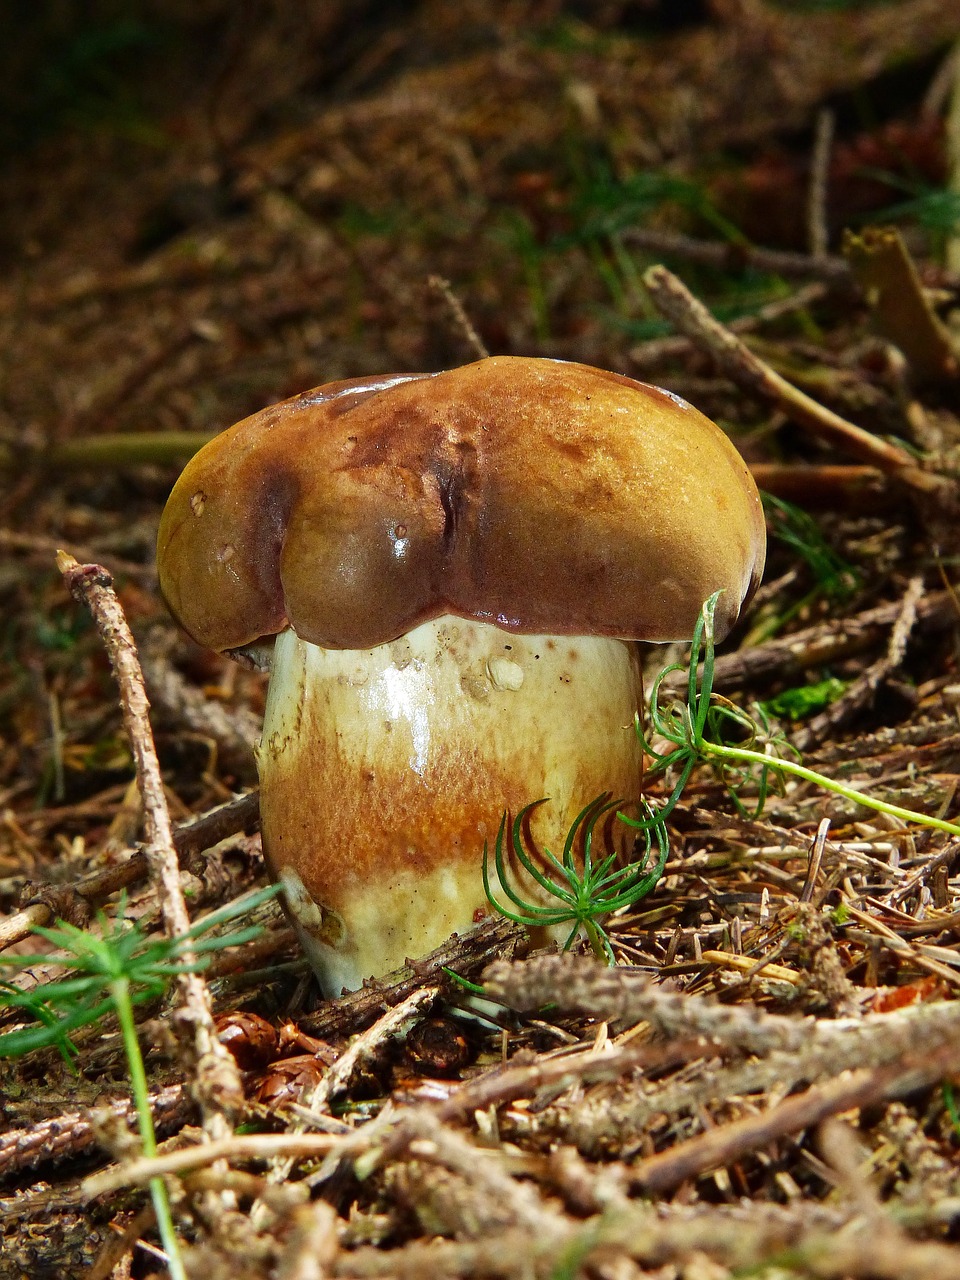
point(833, 576)
point(112, 973)
point(695, 729)
point(840, 915)
point(474, 988)
point(950, 1102)
point(579, 896)
point(121, 955)
point(696, 732)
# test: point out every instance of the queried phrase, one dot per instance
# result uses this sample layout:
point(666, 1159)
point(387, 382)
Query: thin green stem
point(120, 992)
point(693, 729)
point(168, 1232)
point(593, 937)
point(714, 750)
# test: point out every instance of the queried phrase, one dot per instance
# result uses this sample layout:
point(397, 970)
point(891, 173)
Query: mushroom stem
point(385, 771)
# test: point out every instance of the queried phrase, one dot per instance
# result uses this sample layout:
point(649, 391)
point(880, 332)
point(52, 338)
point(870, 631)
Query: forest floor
point(208, 213)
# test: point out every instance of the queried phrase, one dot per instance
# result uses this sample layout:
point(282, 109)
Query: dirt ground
point(208, 208)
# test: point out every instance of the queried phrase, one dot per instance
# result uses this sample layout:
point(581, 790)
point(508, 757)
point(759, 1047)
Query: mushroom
point(451, 570)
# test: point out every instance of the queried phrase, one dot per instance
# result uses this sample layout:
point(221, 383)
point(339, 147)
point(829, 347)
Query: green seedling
point(112, 973)
point(935, 209)
point(698, 730)
point(603, 203)
point(577, 895)
point(516, 231)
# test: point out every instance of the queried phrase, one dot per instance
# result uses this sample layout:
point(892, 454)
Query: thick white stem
point(384, 772)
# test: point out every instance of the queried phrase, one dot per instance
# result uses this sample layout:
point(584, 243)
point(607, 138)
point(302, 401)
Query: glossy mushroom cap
point(538, 495)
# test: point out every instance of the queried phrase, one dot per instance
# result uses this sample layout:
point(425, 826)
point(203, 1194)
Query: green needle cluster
point(112, 973)
point(121, 955)
point(580, 891)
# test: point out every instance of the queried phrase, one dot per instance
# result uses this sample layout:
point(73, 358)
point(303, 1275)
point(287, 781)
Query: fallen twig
point(73, 1133)
point(462, 320)
point(861, 693)
point(718, 1147)
point(99, 452)
point(365, 1046)
point(691, 317)
point(827, 486)
point(817, 1242)
point(249, 1146)
point(788, 656)
point(214, 1072)
point(338, 1076)
point(911, 1042)
point(818, 230)
point(656, 351)
point(73, 902)
point(465, 954)
point(731, 257)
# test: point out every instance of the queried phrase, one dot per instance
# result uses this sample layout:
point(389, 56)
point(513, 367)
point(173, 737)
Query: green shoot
point(577, 896)
point(696, 732)
point(123, 951)
point(474, 988)
point(603, 203)
point(112, 973)
point(935, 209)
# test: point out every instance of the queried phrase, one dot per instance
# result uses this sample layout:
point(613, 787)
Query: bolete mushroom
point(451, 570)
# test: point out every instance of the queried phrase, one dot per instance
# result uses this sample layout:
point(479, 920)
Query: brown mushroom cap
point(538, 495)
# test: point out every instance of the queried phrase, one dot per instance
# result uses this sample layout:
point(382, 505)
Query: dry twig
point(73, 1133)
point(786, 657)
point(465, 954)
point(73, 902)
point(249, 1146)
point(914, 1043)
point(365, 1046)
point(718, 1147)
point(732, 257)
point(463, 322)
point(888, 277)
point(861, 693)
point(691, 317)
point(818, 232)
point(216, 1081)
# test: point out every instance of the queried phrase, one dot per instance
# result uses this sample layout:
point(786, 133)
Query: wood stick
point(719, 1147)
point(690, 316)
point(72, 902)
point(214, 1070)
